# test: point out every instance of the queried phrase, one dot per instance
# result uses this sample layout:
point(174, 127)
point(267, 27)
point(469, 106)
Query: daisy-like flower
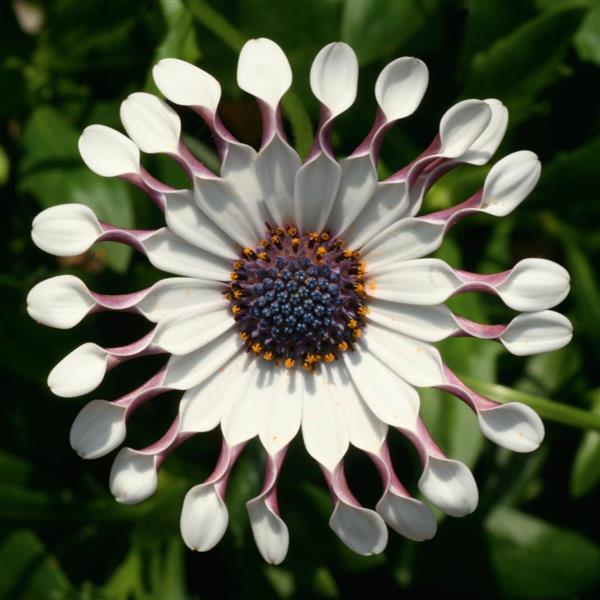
point(301, 299)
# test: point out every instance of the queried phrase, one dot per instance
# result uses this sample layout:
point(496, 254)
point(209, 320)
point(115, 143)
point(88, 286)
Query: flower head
point(300, 296)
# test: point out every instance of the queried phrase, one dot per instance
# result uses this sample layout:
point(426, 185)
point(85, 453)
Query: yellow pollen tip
point(352, 323)
point(262, 255)
point(329, 357)
point(307, 366)
point(263, 243)
point(289, 362)
point(359, 288)
point(325, 236)
point(256, 347)
point(237, 265)
point(233, 276)
point(362, 311)
point(268, 356)
point(313, 235)
point(235, 309)
point(343, 346)
point(295, 241)
point(244, 335)
point(237, 294)
point(321, 250)
point(279, 231)
point(356, 332)
point(292, 231)
point(275, 239)
point(227, 295)
point(248, 252)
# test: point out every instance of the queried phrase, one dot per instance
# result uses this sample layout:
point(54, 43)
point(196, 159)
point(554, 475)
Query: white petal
point(514, 426)
point(334, 77)
point(428, 323)
point(282, 410)
point(187, 371)
point(418, 363)
point(407, 516)
point(276, 167)
point(270, 531)
point(168, 252)
point(532, 333)
point(484, 147)
point(108, 152)
point(202, 407)
point(407, 239)
point(218, 200)
point(389, 397)
point(174, 295)
point(80, 372)
point(461, 125)
point(449, 485)
point(424, 281)
point(66, 229)
point(133, 476)
point(365, 430)
point(238, 168)
point(323, 423)
point(314, 193)
point(245, 408)
point(185, 84)
point(204, 518)
point(98, 429)
point(356, 186)
point(361, 529)
point(400, 87)
point(509, 182)
point(535, 284)
point(59, 302)
point(186, 220)
point(151, 123)
point(389, 202)
point(264, 71)
point(187, 332)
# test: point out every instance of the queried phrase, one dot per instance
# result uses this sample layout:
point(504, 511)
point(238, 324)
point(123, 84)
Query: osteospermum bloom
point(302, 299)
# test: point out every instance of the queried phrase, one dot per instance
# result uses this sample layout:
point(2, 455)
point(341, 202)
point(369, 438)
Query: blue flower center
point(298, 298)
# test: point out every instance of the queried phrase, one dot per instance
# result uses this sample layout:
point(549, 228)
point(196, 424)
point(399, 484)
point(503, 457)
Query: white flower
point(272, 324)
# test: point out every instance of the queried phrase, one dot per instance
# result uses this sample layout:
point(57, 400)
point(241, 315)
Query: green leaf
point(4, 166)
point(167, 572)
point(53, 172)
point(585, 473)
point(488, 20)
point(27, 571)
point(376, 28)
point(534, 559)
point(571, 176)
point(587, 39)
point(515, 69)
point(126, 581)
point(180, 41)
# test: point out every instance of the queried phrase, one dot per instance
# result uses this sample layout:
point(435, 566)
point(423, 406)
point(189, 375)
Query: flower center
point(298, 298)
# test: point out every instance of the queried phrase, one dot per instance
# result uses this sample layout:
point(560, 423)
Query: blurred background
point(65, 64)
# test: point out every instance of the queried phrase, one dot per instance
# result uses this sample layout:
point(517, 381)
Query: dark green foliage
point(535, 535)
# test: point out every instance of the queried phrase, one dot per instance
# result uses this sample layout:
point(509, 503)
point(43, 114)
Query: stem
point(548, 409)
